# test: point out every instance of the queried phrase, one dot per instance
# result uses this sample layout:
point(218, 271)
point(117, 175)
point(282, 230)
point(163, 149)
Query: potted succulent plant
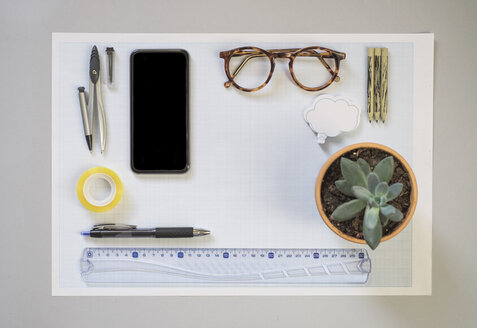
point(366, 193)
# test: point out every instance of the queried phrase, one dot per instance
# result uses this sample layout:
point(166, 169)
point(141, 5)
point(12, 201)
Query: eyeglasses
point(311, 68)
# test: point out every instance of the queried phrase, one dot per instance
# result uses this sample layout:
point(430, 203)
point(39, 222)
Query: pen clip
point(113, 226)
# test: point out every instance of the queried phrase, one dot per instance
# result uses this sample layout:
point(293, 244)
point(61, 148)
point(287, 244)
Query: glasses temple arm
point(320, 56)
point(328, 68)
point(242, 64)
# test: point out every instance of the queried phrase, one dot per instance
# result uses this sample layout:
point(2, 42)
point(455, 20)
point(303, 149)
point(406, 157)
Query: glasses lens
point(249, 68)
point(313, 68)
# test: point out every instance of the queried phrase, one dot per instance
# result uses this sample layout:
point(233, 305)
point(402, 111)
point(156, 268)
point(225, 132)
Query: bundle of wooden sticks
point(377, 84)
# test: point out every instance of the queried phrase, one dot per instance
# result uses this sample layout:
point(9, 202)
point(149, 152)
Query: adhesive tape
point(99, 189)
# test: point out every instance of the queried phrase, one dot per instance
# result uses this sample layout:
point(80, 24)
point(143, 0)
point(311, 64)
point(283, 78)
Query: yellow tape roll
point(88, 183)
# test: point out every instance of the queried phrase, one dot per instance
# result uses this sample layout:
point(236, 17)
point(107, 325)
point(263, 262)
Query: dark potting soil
point(331, 197)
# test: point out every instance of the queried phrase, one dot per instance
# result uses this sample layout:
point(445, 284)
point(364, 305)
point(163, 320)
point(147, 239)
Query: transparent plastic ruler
point(251, 266)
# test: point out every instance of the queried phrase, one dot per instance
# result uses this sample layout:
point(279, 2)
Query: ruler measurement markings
point(271, 255)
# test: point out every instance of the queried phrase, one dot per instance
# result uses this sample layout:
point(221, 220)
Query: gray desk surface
point(25, 93)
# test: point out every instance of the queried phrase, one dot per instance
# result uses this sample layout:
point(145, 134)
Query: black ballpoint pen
point(111, 230)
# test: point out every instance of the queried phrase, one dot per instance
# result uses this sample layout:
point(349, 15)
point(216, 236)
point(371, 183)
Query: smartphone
point(159, 111)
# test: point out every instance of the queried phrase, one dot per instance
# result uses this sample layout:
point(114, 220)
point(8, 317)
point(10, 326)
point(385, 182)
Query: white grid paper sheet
point(254, 160)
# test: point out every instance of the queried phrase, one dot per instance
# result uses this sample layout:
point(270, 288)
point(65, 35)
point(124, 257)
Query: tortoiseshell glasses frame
point(252, 52)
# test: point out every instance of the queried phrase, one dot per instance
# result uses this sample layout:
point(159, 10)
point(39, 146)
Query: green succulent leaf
point(381, 189)
point(371, 217)
point(362, 193)
point(394, 191)
point(372, 181)
point(385, 169)
point(384, 220)
point(387, 210)
point(398, 216)
point(391, 213)
point(344, 187)
point(372, 202)
point(372, 229)
point(352, 173)
point(364, 166)
point(348, 210)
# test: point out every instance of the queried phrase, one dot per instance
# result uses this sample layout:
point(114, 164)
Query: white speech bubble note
point(330, 115)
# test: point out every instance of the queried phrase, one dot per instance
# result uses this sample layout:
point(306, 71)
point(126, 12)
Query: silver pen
point(84, 115)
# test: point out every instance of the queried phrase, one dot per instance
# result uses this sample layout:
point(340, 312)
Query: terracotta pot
point(336, 156)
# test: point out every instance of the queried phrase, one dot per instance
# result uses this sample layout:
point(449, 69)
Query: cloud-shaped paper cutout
point(329, 116)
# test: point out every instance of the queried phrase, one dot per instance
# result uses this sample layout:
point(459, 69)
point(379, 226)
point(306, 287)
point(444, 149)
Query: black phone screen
point(159, 111)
